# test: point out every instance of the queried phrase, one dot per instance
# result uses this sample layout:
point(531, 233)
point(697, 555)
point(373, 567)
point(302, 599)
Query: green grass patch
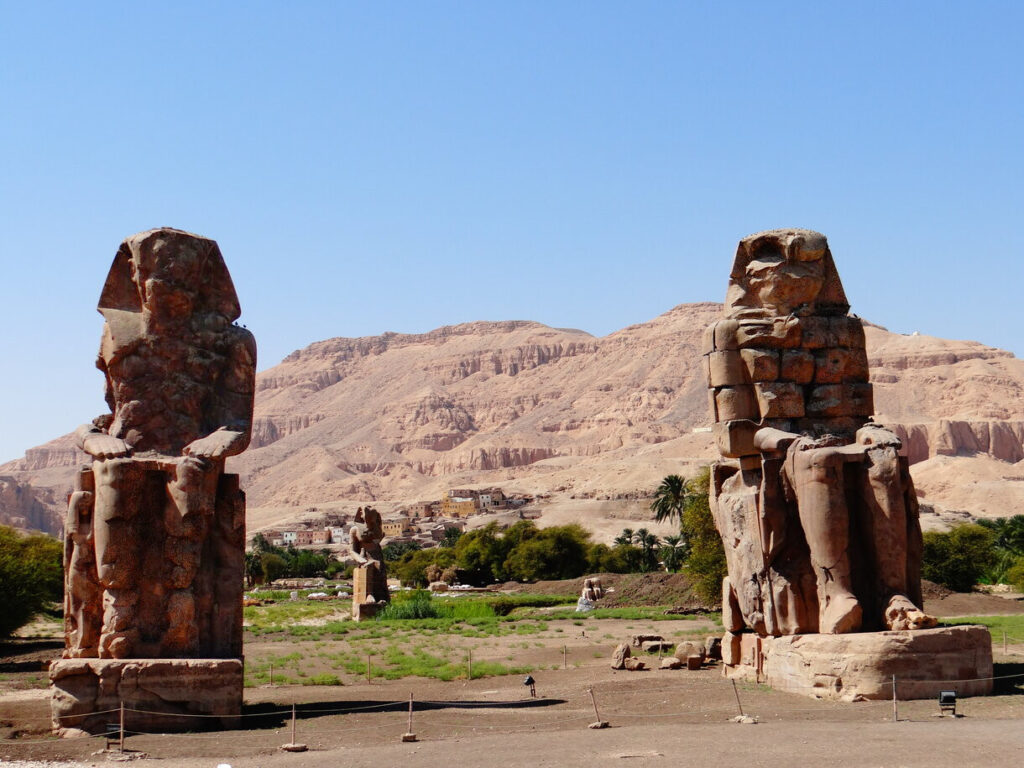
point(638, 612)
point(1012, 625)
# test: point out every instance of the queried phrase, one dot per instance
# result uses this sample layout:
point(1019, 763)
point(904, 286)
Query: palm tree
point(669, 499)
point(625, 538)
point(648, 543)
point(674, 552)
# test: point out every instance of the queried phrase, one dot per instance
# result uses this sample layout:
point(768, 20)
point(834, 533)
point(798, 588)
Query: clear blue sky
point(399, 166)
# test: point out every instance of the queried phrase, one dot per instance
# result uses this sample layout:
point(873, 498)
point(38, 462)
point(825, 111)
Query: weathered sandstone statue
point(814, 503)
point(155, 532)
point(370, 578)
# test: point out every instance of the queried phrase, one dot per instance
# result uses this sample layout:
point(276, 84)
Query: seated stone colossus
point(156, 529)
point(815, 505)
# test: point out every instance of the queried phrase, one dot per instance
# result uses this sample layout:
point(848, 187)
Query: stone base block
point(861, 665)
point(364, 611)
point(159, 695)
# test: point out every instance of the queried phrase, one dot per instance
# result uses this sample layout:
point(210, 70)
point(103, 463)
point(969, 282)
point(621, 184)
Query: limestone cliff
point(401, 417)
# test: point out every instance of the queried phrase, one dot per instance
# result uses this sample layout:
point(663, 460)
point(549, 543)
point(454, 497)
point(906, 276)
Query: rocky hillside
point(540, 410)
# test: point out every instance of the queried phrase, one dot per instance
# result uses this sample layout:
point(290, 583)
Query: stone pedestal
point(364, 604)
point(861, 665)
point(87, 694)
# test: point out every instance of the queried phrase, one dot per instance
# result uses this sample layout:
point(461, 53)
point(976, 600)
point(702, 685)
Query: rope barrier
point(619, 689)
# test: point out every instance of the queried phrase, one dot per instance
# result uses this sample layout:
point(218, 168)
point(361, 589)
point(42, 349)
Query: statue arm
point(99, 444)
point(234, 405)
point(771, 440)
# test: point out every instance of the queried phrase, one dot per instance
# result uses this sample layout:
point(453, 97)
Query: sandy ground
point(657, 718)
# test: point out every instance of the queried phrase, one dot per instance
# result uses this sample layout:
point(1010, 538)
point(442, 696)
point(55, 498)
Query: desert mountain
point(401, 417)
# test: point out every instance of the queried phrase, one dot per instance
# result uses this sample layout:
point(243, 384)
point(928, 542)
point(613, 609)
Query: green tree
point(1015, 574)
point(31, 575)
point(670, 499)
point(705, 562)
point(624, 539)
point(1008, 545)
point(558, 552)
point(411, 569)
point(648, 544)
point(451, 537)
point(673, 553)
point(394, 550)
point(958, 557)
point(480, 556)
point(261, 544)
point(273, 566)
point(618, 559)
point(307, 564)
point(253, 569)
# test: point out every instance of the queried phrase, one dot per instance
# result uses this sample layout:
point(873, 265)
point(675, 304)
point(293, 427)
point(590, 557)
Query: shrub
point(706, 559)
point(32, 575)
point(957, 558)
point(1015, 574)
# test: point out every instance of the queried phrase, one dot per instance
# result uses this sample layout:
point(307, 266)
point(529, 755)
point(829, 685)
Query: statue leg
point(116, 502)
point(82, 591)
point(885, 498)
point(817, 478)
point(191, 498)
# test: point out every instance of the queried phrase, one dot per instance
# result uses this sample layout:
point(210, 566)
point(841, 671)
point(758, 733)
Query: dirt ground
point(656, 717)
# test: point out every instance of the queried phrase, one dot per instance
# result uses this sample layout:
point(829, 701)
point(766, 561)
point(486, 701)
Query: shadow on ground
point(1009, 678)
point(270, 715)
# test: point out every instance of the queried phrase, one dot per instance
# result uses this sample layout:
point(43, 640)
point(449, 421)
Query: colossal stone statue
point(813, 501)
point(156, 529)
point(370, 578)
point(837, 543)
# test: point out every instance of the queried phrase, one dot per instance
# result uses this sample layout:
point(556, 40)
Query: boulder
point(653, 646)
point(713, 648)
point(619, 656)
point(639, 640)
point(688, 648)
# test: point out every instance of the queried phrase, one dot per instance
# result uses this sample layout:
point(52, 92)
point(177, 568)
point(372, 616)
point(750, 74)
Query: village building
point(397, 526)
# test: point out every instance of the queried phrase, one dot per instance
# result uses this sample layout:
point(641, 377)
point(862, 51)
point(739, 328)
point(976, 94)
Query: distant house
point(397, 526)
point(289, 537)
point(322, 536)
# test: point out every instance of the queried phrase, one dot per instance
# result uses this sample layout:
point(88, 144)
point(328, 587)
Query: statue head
point(784, 272)
point(167, 276)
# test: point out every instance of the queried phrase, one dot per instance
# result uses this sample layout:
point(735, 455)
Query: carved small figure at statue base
point(814, 502)
point(155, 534)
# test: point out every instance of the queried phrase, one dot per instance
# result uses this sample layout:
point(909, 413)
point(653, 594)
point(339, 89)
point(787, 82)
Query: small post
point(564, 658)
point(121, 746)
point(895, 711)
point(737, 692)
point(294, 746)
point(368, 657)
point(271, 674)
point(598, 722)
point(470, 664)
point(409, 735)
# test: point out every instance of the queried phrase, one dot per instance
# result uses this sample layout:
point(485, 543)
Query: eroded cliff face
point(400, 416)
point(28, 508)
